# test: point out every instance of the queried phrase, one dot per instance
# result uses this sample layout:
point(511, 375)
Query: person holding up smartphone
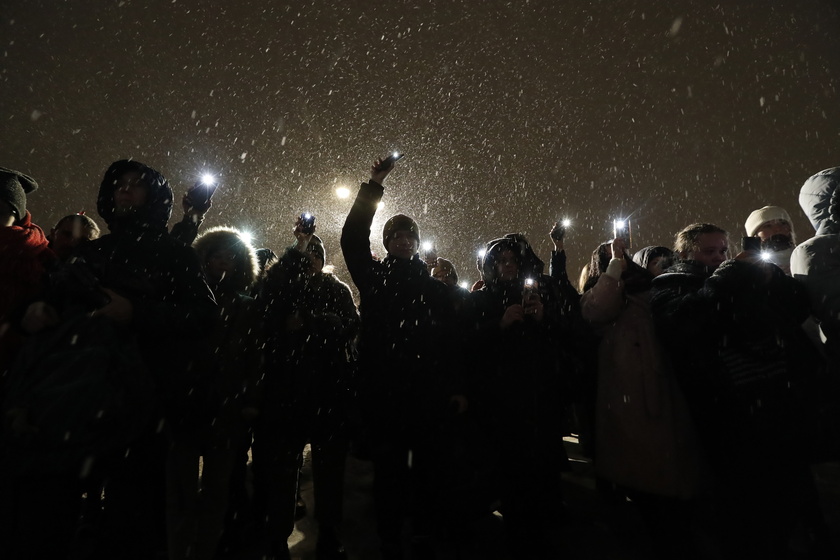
point(407, 383)
point(514, 329)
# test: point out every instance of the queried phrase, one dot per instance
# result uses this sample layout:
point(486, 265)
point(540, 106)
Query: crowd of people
point(159, 385)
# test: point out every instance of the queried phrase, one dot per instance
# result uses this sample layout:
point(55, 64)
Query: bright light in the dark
point(427, 245)
point(208, 179)
point(567, 222)
point(342, 192)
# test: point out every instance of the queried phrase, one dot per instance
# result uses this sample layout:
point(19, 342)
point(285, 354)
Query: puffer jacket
point(816, 262)
point(748, 355)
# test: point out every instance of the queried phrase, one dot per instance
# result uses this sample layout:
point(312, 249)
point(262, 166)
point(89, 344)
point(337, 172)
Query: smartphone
point(751, 244)
point(307, 223)
point(201, 193)
point(559, 230)
point(621, 228)
point(390, 160)
point(529, 291)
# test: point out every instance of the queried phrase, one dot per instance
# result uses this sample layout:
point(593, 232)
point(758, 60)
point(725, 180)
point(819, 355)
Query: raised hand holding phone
point(382, 167)
point(199, 195)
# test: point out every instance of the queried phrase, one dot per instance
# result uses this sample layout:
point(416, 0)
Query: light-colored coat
point(645, 439)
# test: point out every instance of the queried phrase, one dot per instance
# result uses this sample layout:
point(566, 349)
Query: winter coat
point(738, 350)
point(232, 366)
point(407, 321)
point(24, 261)
point(115, 379)
point(645, 437)
point(518, 374)
point(816, 262)
point(309, 367)
point(173, 308)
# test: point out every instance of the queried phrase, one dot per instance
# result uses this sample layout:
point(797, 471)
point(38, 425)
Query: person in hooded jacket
point(408, 381)
point(816, 262)
point(148, 290)
point(514, 325)
point(232, 369)
point(655, 259)
point(732, 328)
point(311, 324)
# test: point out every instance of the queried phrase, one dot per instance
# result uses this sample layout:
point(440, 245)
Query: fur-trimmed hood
point(228, 238)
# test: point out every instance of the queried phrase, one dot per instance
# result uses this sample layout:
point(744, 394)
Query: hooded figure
point(816, 262)
point(647, 259)
point(513, 327)
point(154, 213)
point(157, 296)
point(230, 367)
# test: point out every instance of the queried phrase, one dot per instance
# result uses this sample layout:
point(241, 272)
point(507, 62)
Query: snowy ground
point(595, 529)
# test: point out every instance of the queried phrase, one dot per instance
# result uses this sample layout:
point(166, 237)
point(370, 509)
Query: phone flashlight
point(208, 179)
point(391, 160)
point(307, 223)
point(566, 223)
point(620, 229)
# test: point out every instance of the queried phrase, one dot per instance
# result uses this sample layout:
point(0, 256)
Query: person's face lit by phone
point(507, 266)
point(402, 244)
point(773, 228)
point(710, 250)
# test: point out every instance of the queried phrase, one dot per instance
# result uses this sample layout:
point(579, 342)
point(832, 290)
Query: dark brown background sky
point(513, 114)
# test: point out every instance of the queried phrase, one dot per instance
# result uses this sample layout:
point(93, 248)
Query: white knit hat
point(763, 215)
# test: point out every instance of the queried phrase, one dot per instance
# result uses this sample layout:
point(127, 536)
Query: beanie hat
point(448, 267)
point(14, 186)
point(400, 222)
point(763, 215)
point(317, 246)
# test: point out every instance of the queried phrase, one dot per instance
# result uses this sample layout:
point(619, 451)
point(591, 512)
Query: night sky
point(512, 114)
